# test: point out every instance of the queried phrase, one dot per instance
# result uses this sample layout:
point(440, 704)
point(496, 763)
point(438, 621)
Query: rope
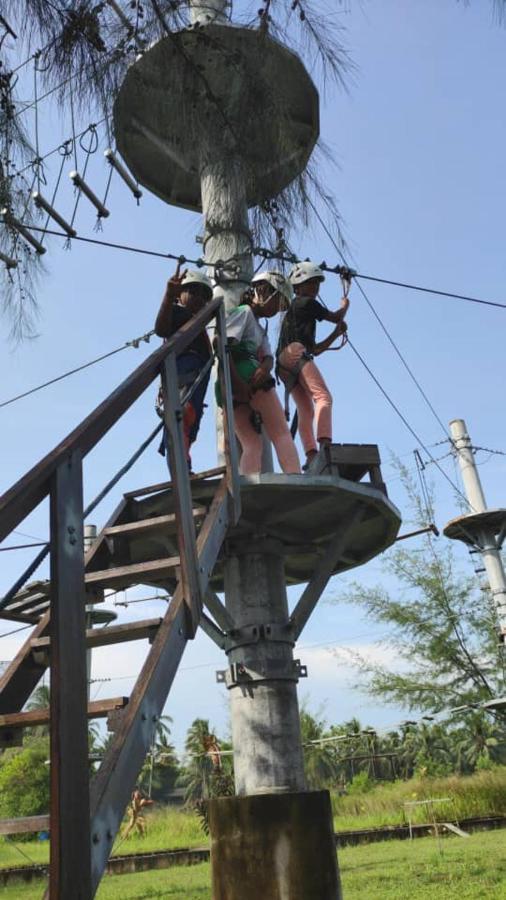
point(133, 343)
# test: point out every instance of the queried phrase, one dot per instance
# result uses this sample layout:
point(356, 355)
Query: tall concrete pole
point(265, 717)
point(485, 536)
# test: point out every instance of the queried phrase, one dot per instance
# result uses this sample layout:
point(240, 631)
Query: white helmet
point(305, 271)
point(278, 281)
point(193, 276)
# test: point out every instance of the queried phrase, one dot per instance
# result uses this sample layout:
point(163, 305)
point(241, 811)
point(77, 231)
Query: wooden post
point(70, 853)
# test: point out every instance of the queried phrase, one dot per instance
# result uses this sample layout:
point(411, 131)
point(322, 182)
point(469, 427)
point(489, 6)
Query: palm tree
point(320, 763)
point(40, 699)
point(197, 773)
point(479, 740)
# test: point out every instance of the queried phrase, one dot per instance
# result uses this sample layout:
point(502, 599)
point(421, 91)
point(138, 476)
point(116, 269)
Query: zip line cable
point(134, 343)
point(258, 251)
point(408, 426)
point(426, 290)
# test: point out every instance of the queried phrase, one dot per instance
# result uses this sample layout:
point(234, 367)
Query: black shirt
point(299, 324)
point(201, 344)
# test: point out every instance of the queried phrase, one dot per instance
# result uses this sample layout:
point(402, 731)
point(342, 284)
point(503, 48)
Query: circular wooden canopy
point(218, 91)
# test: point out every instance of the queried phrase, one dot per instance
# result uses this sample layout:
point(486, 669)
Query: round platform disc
point(466, 528)
point(233, 89)
point(300, 512)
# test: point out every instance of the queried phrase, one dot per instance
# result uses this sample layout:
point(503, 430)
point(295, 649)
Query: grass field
point(472, 869)
point(481, 794)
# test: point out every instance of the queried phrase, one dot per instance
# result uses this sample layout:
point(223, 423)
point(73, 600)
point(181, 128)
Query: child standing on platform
point(296, 349)
point(251, 360)
point(185, 295)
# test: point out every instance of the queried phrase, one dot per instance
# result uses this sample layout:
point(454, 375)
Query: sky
point(419, 142)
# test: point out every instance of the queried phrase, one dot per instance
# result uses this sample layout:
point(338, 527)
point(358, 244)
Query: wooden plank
point(98, 709)
point(113, 634)
point(23, 674)
point(70, 850)
point(455, 829)
point(185, 526)
point(27, 493)
point(24, 824)
point(167, 485)
point(112, 786)
point(134, 573)
point(155, 524)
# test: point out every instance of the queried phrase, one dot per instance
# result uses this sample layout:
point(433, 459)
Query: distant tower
point(482, 529)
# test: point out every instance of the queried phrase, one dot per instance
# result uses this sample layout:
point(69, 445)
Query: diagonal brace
point(322, 574)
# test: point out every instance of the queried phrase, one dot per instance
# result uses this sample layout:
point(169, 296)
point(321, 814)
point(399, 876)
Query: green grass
point(471, 869)
point(168, 829)
point(481, 794)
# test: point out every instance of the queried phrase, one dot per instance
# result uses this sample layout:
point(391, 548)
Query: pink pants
point(311, 395)
point(273, 418)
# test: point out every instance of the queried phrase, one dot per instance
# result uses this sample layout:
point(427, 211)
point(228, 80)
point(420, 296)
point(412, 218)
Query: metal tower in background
point(482, 529)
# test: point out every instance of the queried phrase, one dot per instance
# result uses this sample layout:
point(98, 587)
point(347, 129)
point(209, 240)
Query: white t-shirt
point(242, 325)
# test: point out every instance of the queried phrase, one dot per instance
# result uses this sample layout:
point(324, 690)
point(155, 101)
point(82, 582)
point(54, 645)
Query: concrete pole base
point(274, 846)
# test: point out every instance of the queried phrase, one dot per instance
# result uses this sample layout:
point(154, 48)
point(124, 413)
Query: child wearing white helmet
point(296, 348)
point(251, 360)
point(185, 295)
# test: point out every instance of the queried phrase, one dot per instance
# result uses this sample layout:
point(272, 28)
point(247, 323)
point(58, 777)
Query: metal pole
point(265, 718)
point(262, 677)
point(205, 12)
point(485, 537)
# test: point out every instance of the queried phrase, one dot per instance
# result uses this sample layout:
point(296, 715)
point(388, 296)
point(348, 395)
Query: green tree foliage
point(320, 761)
point(24, 781)
point(202, 776)
point(161, 768)
point(442, 627)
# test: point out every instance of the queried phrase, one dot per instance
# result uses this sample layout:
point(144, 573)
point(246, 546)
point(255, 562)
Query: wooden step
point(137, 573)
point(98, 709)
point(24, 824)
point(167, 523)
point(113, 634)
point(167, 485)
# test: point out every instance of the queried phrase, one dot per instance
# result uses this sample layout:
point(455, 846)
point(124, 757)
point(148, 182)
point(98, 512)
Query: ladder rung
point(113, 634)
point(143, 525)
point(33, 717)
point(122, 576)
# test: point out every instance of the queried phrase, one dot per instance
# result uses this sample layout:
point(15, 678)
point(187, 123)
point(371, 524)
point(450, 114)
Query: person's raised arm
point(164, 318)
point(338, 318)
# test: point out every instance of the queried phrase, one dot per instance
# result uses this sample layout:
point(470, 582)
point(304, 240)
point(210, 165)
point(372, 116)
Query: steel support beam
point(322, 574)
point(70, 877)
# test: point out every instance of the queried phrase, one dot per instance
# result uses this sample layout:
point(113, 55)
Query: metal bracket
point(270, 670)
point(251, 634)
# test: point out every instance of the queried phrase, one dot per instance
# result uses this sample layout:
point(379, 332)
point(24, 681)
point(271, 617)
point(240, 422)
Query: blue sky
point(420, 144)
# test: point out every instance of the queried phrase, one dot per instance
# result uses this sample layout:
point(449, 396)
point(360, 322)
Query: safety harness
point(290, 377)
